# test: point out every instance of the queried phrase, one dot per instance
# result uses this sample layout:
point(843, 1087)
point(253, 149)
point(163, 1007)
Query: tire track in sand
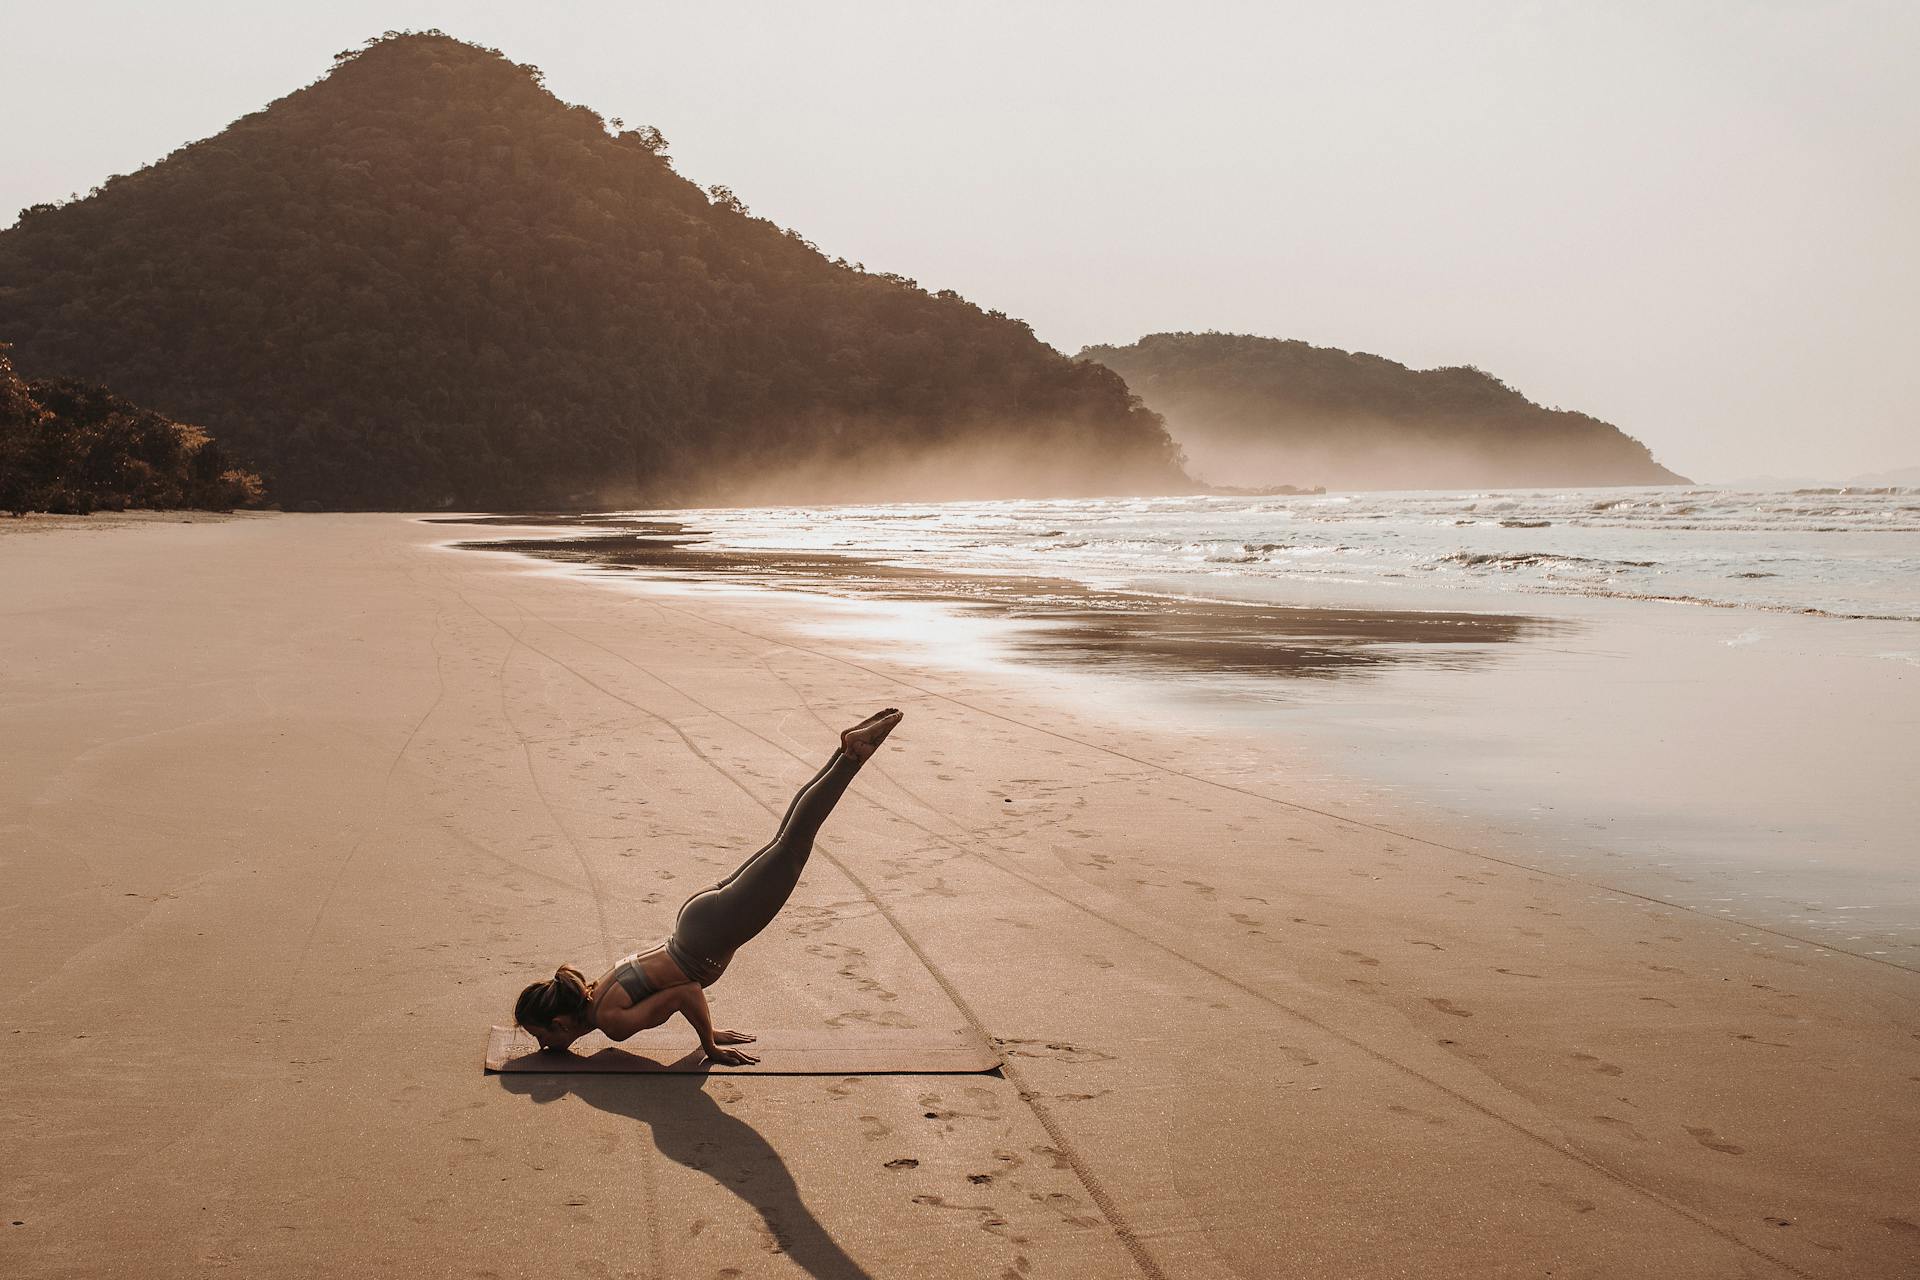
point(1062, 1142)
point(1564, 877)
point(373, 819)
point(1650, 1195)
point(594, 888)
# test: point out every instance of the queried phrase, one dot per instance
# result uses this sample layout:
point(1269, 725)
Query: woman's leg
point(715, 922)
point(785, 821)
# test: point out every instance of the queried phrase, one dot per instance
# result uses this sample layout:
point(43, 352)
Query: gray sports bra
point(629, 974)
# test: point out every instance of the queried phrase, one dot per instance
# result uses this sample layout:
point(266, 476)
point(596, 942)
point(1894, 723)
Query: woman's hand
point(693, 1002)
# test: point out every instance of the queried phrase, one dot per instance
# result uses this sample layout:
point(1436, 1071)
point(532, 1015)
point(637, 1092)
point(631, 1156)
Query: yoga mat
point(886, 1051)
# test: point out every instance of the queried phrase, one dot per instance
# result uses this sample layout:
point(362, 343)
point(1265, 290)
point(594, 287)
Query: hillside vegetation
point(424, 281)
point(73, 449)
point(1262, 410)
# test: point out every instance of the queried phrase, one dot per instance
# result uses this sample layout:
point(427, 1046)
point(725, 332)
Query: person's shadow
point(689, 1127)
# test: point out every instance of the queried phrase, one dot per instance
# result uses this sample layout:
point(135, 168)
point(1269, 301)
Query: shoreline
point(344, 791)
point(1419, 704)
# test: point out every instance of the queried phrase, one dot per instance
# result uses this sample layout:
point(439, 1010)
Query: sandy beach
point(292, 806)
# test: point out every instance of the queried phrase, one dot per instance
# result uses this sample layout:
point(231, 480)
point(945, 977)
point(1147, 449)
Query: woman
point(648, 987)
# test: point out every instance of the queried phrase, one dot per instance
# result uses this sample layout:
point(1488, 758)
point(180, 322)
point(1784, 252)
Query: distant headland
point(1261, 409)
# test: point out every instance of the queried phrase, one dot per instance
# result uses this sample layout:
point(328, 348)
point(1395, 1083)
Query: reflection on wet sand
point(1076, 624)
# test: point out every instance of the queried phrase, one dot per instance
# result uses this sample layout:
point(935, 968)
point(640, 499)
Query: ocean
point(1846, 553)
point(1710, 697)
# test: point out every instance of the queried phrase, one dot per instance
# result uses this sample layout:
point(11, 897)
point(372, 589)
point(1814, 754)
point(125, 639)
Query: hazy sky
point(1697, 221)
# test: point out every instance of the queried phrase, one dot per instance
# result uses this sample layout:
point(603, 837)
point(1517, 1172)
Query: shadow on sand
point(690, 1128)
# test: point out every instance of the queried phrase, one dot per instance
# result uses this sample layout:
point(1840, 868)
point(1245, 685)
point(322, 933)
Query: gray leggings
point(714, 923)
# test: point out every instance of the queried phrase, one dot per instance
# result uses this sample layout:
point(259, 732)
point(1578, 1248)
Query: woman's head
point(555, 1011)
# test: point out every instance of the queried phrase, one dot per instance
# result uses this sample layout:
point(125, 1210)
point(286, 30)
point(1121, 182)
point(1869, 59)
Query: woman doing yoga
point(648, 987)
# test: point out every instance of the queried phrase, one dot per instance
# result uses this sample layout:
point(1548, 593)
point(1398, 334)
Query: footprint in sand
point(884, 1019)
point(1600, 1065)
point(1360, 958)
point(1621, 1126)
point(1058, 1052)
point(1399, 1110)
point(1066, 1206)
point(904, 1162)
point(990, 1222)
point(1447, 1006)
point(1421, 942)
point(1712, 1142)
point(1578, 1203)
point(1515, 973)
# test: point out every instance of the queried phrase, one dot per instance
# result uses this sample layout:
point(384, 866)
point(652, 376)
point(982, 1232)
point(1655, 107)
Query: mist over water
point(1847, 553)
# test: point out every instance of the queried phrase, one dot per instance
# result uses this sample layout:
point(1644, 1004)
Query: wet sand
point(292, 807)
point(1074, 625)
point(1754, 764)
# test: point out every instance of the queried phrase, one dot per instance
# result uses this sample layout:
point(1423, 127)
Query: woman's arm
point(618, 1024)
point(686, 998)
point(694, 1006)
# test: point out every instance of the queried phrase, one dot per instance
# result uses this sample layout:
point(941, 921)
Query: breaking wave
point(1843, 552)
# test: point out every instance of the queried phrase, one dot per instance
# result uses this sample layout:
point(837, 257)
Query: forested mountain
point(423, 281)
point(72, 448)
point(1262, 410)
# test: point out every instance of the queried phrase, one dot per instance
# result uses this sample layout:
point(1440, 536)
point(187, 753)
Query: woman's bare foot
point(865, 738)
point(881, 714)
